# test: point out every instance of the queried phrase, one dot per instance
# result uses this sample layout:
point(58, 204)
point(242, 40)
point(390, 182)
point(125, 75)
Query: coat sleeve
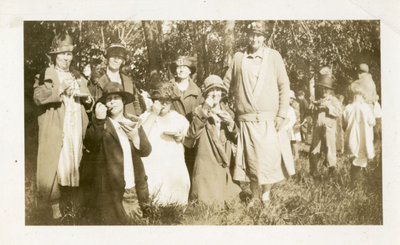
point(283, 86)
point(94, 135)
point(334, 108)
point(145, 146)
point(45, 93)
point(196, 128)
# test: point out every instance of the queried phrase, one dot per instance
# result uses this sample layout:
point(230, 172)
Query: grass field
point(300, 200)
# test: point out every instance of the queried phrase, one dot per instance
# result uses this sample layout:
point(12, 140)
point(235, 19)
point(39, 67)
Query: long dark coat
point(102, 139)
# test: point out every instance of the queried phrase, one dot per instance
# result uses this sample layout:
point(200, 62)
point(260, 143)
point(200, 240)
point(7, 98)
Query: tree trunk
point(229, 41)
point(153, 48)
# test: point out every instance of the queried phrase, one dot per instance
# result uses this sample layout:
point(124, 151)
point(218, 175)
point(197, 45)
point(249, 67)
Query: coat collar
point(192, 90)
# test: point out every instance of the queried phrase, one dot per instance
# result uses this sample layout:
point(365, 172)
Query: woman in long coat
point(213, 131)
point(63, 98)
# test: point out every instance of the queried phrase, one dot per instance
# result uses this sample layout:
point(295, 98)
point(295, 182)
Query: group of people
point(124, 148)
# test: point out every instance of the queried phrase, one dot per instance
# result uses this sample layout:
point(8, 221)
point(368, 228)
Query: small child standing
point(358, 121)
point(324, 111)
point(292, 126)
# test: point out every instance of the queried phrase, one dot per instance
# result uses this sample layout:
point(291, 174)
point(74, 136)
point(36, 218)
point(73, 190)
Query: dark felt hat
point(116, 88)
point(258, 27)
point(116, 50)
point(162, 88)
point(188, 61)
point(61, 43)
point(326, 81)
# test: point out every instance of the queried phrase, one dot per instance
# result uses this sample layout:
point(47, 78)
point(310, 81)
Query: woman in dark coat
point(120, 179)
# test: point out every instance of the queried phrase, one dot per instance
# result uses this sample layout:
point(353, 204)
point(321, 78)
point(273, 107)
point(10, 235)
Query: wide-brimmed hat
point(116, 88)
point(326, 81)
point(163, 90)
point(188, 61)
point(213, 81)
point(258, 27)
point(116, 50)
point(61, 43)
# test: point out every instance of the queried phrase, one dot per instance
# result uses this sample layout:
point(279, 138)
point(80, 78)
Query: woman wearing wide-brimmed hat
point(118, 142)
point(63, 98)
point(212, 132)
point(168, 178)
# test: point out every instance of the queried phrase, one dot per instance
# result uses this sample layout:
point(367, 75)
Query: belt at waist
point(257, 117)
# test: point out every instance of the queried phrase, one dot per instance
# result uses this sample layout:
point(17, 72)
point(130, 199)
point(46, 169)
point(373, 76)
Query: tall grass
point(300, 200)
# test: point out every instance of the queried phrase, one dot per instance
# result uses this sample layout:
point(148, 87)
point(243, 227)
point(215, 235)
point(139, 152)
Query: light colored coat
point(256, 109)
point(51, 122)
point(359, 121)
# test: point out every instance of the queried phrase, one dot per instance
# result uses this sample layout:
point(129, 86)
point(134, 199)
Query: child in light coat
point(358, 122)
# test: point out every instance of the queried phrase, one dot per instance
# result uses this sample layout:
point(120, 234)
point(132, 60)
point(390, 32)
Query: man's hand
point(278, 123)
point(101, 111)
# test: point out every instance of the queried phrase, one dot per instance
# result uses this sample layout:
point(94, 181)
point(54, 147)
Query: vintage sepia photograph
point(203, 122)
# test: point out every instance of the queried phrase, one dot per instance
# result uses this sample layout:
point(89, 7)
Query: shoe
point(265, 199)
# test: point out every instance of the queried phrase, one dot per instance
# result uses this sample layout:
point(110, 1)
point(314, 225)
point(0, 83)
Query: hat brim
point(324, 85)
point(126, 97)
point(257, 32)
point(173, 67)
point(116, 52)
point(222, 87)
point(157, 97)
point(69, 48)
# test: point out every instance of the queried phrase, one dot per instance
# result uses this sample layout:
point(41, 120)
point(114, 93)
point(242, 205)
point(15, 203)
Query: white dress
point(72, 144)
point(290, 122)
point(168, 178)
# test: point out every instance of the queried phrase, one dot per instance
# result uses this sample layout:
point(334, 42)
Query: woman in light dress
point(168, 178)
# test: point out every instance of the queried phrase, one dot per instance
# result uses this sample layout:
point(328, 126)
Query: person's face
point(325, 91)
point(115, 62)
point(114, 104)
point(182, 72)
point(215, 94)
point(165, 106)
point(256, 40)
point(63, 60)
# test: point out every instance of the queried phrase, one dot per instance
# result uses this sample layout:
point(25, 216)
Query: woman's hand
point(67, 87)
point(156, 107)
point(132, 133)
point(226, 118)
point(101, 111)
